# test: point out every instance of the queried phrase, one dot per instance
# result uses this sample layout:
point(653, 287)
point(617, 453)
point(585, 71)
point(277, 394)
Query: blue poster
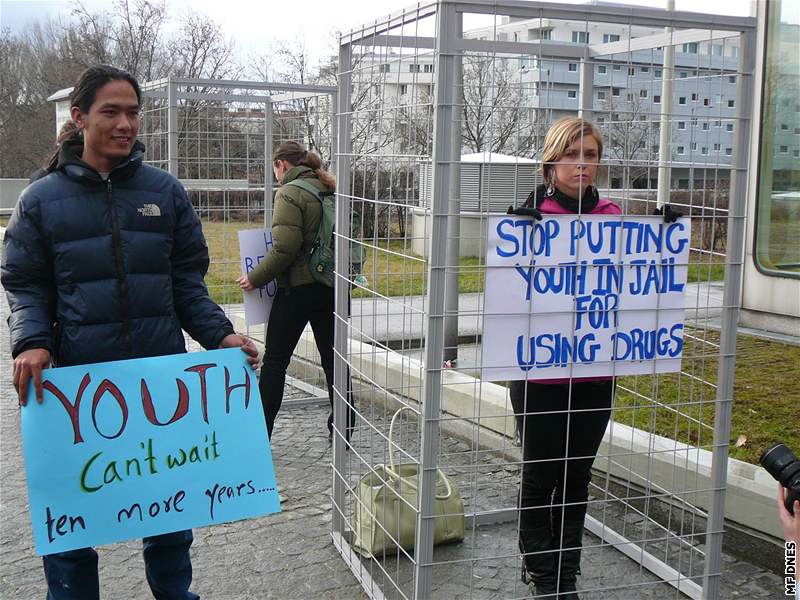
point(135, 448)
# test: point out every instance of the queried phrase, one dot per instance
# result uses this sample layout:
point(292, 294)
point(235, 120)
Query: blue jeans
point(73, 575)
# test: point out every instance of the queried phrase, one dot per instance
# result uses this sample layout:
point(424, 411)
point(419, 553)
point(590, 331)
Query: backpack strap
point(310, 188)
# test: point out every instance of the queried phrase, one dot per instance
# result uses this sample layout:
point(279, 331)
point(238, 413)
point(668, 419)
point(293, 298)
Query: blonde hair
point(561, 135)
point(295, 154)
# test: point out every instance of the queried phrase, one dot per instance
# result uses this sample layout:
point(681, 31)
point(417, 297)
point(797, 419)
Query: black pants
point(561, 431)
point(292, 310)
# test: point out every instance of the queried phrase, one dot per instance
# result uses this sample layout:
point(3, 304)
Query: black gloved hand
point(670, 215)
point(525, 211)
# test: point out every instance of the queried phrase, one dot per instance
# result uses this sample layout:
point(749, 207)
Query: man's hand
point(234, 340)
point(791, 524)
point(245, 284)
point(27, 364)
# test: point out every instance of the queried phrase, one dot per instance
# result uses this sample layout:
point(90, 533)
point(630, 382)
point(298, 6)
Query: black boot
point(538, 565)
point(570, 559)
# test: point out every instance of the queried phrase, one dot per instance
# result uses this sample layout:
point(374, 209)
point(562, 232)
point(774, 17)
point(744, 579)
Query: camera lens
point(776, 460)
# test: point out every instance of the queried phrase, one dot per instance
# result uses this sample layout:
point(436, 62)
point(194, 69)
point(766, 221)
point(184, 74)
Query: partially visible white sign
point(254, 244)
point(595, 296)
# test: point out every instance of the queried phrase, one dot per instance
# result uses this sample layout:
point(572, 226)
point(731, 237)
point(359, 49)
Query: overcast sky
point(253, 24)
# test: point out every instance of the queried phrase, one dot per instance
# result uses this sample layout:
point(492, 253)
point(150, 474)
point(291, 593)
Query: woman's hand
point(245, 284)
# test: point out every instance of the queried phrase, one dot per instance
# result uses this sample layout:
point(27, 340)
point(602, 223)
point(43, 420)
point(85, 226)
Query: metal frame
point(439, 306)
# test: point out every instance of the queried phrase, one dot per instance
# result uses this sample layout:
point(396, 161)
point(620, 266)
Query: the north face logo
point(149, 210)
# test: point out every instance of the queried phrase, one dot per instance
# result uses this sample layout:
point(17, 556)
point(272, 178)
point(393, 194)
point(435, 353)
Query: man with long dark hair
point(104, 260)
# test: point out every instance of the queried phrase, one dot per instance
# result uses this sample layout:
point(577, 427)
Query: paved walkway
point(290, 555)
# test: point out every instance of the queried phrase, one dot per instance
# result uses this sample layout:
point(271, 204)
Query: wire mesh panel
point(217, 137)
point(444, 112)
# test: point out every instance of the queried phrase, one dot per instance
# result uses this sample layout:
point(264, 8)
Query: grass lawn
point(766, 406)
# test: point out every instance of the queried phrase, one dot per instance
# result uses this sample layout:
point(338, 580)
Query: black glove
point(670, 215)
point(525, 211)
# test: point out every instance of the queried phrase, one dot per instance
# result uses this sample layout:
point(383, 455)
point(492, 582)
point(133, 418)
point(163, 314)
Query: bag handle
point(393, 474)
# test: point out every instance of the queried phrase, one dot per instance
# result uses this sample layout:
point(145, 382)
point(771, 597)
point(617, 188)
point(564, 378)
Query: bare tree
point(495, 118)
point(632, 135)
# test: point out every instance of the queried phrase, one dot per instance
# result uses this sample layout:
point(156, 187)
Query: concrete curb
point(626, 453)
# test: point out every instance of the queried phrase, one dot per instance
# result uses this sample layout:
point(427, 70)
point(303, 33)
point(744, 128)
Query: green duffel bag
point(385, 514)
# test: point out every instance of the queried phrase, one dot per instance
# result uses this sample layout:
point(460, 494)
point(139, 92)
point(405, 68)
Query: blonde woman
point(561, 421)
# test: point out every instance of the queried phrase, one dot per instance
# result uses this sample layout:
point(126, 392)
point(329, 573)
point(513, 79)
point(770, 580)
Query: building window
point(706, 101)
point(427, 68)
point(681, 124)
point(413, 68)
point(683, 184)
point(777, 227)
point(728, 151)
point(797, 130)
point(705, 126)
point(694, 97)
point(694, 121)
point(717, 123)
point(728, 126)
point(580, 37)
point(572, 67)
point(631, 71)
point(796, 153)
point(694, 146)
point(684, 75)
point(657, 99)
point(617, 67)
point(383, 68)
point(601, 95)
point(682, 100)
point(629, 96)
point(615, 91)
point(680, 150)
point(610, 37)
point(716, 148)
point(403, 89)
point(602, 69)
point(704, 151)
point(731, 103)
point(716, 49)
point(572, 93)
point(731, 78)
point(784, 127)
point(690, 48)
point(658, 72)
point(644, 69)
point(642, 93)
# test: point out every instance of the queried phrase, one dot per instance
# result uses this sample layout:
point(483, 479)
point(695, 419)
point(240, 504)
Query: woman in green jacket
point(300, 298)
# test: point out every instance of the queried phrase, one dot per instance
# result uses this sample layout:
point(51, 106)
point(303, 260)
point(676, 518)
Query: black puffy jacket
point(100, 270)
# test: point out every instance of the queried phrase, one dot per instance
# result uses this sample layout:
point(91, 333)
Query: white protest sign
point(583, 297)
point(254, 244)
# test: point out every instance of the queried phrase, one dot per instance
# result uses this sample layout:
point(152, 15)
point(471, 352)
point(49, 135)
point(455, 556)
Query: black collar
point(586, 205)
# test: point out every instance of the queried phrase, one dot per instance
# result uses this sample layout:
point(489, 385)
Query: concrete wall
point(625, 452)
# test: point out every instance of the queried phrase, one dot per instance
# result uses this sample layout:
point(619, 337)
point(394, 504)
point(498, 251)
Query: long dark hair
point(92, 79)
point(295, 154)
point(68, 131)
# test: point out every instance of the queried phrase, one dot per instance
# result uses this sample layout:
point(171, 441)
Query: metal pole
point(344, 146)
point(268, 144)
point(172, 127)
point(586, 87)
point(454, 218)
point(730, 315)
point(442, 163)
point(665, 128)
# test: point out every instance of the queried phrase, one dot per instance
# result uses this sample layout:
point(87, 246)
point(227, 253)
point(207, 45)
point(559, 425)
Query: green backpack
point(321, 257)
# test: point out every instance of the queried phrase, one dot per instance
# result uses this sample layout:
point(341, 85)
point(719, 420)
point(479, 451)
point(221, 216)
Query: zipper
point(123, 281)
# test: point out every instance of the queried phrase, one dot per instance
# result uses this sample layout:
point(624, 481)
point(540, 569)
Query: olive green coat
point(295, 221)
